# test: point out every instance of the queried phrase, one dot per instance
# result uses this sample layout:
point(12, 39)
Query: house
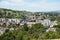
point(30, 23)
point(51, 29)
point(54, 23)
point(46, 22)
point(2, 30)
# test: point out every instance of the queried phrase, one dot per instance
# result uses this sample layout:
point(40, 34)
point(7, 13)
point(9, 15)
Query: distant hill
point(8, 13)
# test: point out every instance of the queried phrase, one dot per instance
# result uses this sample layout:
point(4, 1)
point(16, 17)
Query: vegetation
point(8, 13)
point(36, 32)
point(25, 32)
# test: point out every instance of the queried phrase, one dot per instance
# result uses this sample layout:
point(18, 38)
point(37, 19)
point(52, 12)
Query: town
point(32, 25)
point(29, 21)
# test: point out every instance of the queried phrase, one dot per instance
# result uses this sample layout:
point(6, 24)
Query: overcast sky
point(31, 5)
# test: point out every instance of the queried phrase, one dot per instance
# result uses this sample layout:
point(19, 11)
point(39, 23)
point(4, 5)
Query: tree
point(57, 26)
point(7, 36)
point(25, 27)
point(20, 35)
point(24, 17)
point(4, 25)
point(38, 27)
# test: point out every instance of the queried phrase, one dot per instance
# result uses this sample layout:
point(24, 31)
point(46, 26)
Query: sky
point(31, 5)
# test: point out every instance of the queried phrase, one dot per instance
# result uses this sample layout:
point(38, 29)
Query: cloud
point(37, 5)
point(12, 2)
point(43, 5)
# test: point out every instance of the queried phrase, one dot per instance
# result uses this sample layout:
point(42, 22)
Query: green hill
point(8, 13)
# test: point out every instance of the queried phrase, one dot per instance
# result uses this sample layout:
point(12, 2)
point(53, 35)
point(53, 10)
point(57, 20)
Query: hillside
point(8, 13)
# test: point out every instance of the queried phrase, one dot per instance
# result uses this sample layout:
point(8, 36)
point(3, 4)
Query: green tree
point(7, 36)
point(25, 27)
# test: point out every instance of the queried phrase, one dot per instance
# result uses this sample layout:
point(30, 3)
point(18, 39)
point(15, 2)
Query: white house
point(2, 30)
point(54, 23)
point(51, 29)
point(46, 22)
